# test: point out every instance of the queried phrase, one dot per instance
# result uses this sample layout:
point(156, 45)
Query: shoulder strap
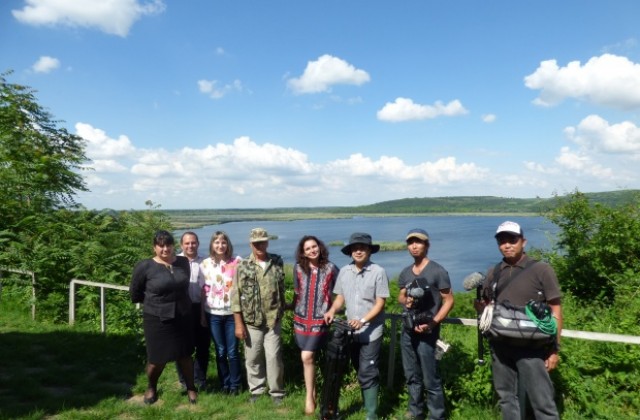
point(496, 276)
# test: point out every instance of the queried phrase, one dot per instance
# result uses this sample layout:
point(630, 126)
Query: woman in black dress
point(161, 285)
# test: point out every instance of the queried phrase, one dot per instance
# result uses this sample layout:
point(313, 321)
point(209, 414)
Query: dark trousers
point(365, 359)
point(421, 371)
point(201, 341)
point(513, 364)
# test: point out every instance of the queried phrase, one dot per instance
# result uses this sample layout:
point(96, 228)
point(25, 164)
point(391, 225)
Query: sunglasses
point(507, 239)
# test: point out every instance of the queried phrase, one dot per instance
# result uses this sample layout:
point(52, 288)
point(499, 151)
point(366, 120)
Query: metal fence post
point(72, 302)
point(103, 322)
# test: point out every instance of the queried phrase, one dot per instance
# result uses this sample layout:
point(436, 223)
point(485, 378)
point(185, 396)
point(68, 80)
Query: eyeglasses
point(507, 239)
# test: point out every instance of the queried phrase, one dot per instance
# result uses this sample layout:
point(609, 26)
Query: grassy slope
point(58, 371)
point(63, 372)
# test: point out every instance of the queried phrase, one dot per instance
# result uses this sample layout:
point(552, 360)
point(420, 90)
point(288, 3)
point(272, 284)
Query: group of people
point(188, 299)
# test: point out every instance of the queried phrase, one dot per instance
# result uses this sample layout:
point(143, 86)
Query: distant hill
point(484, 204)
point(183, 219)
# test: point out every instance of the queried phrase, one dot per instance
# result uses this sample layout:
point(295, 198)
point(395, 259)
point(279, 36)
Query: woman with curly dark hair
point(313, 279)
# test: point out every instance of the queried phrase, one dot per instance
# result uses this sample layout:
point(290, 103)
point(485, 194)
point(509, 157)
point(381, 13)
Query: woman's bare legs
point(309, 370)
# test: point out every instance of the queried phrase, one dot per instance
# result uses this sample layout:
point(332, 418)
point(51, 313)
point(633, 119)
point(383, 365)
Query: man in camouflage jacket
point(258, 302)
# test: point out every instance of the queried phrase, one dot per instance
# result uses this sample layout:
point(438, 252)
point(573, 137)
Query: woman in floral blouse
point(216, 278)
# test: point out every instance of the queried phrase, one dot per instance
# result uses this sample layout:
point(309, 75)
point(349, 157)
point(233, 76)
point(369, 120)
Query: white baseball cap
point(510, 227)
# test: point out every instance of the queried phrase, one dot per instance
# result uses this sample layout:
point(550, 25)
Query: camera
point(418, 312)
point(539, 309)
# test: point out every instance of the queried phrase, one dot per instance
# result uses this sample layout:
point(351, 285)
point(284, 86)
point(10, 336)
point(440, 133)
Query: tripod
point(336, 360)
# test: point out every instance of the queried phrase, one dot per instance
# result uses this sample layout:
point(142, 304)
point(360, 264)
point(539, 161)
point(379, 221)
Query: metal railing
point(33, 285)
point(394, 318)
point(102, 286)
point(582, 335)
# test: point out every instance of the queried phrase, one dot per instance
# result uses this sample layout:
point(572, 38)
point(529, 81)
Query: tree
point(42, 228)
point(39, 161)
point(598, 255)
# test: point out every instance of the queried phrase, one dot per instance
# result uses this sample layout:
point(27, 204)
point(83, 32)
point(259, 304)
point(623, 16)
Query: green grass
point(56, 371)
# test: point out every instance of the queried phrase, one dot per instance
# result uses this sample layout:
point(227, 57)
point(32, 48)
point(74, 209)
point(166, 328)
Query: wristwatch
point(363, 321)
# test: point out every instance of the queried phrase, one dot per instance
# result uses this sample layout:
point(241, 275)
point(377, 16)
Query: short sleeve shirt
point(432, 279)
point(538, 282)
point(360, 290)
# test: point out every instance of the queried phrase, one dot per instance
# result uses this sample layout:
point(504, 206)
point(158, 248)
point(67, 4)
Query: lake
point(461, 244)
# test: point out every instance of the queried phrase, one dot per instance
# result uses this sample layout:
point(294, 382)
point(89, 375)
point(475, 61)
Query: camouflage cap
point(258, 235)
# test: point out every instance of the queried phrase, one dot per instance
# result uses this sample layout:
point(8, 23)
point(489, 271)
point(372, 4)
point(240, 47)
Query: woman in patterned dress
point(313, 278)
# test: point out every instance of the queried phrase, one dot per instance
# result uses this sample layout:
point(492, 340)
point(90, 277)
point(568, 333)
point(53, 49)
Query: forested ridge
point(472, 205)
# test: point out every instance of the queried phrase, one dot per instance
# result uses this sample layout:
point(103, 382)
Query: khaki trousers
point(263, 360)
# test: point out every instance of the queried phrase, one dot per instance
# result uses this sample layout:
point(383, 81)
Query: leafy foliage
point(39, 162)
point(598, 249)
point(88, 245)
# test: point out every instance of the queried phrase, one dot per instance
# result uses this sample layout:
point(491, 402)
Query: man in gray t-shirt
point(425, 292)
point(363, 286)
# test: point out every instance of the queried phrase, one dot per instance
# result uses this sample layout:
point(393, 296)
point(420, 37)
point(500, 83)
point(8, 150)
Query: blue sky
point(221, 104)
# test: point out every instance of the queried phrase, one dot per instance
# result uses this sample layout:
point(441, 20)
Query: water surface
point(462, 244)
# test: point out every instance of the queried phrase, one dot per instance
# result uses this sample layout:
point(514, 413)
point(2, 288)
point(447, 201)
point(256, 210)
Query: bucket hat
point(360, 238)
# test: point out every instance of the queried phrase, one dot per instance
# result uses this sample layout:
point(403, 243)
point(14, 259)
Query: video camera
point(341, 328)
point(418, 312)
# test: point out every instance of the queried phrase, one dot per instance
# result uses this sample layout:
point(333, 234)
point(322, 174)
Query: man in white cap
point(363, 286)
point(258, 302)
point(518, 279)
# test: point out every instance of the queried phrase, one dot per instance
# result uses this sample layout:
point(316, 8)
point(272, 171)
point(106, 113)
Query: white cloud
point(94, 181)
point(45, 64)
point(404, 109)
point(211, 88)
point(582, 163)
point(107, 166)
point(627, 45)
point(267, 174)
point(325, 72)
point(153, 171)
point(247, 173)
point(100, 146)
point(113, 17)
point(538, 167)
point(489, 118)
point(608, 80)
point(596, 134)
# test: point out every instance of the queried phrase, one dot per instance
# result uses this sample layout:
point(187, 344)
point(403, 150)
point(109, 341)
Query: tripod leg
point(480, 338)
point(336, 360)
